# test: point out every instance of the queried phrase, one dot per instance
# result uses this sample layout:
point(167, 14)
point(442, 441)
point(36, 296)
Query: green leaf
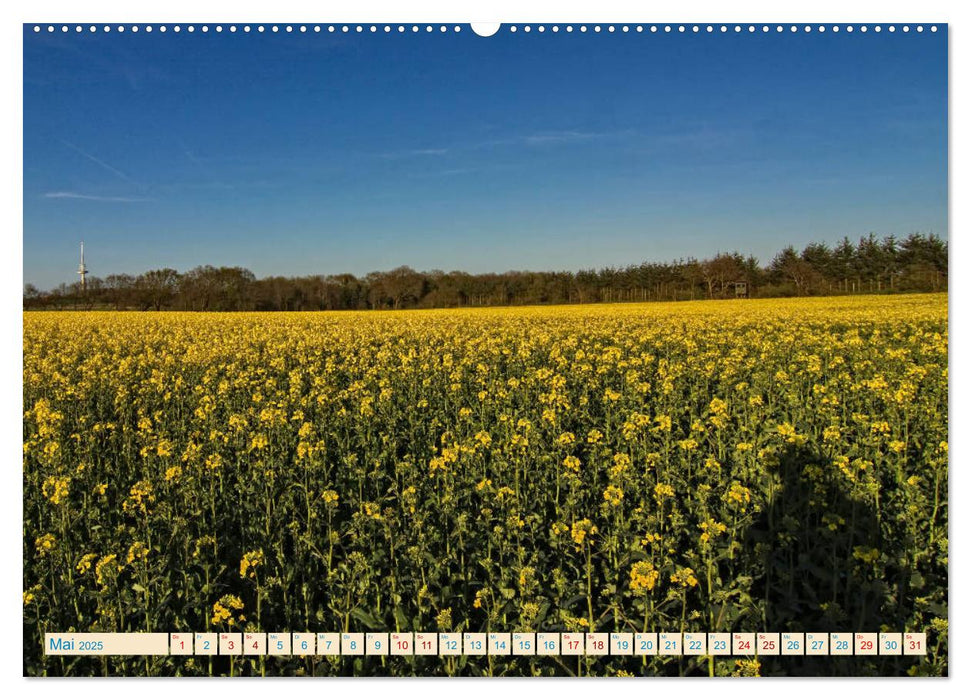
point(367, 619)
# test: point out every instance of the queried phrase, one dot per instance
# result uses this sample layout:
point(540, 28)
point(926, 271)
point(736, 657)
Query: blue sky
point(324, 153)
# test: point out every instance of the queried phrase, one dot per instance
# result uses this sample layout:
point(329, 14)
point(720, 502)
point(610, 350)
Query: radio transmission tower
point(82, 270)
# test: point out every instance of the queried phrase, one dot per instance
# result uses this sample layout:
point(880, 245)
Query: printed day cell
point(376, 643)
point(669, 643)
point(523, 643)
point(500, 643)
point(426, 644)
point(645, 643)
point(621, 643)
point(891, 644)
point(328, 644)
point(230, 643)
point(793, 643)
point(278, 643)
point(352, 644)
point(571, 644)
point(865, 643)
point(719, 643)
point(695, 643)
point(254, 644)
point(817, 644)
point(305, 643)
point(548, 643)
point(743, 643)
point(402, 644)
point(449, 644)
point(767, 643)
point(180, 644)
point(474, 644)
point(597, 643)
point(841, 644)
point(206, 643)
point(915, 643)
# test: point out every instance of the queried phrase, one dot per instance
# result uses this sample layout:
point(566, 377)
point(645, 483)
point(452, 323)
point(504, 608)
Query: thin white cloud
point(414, 152)
point(191, 157)
point(94, 159)
point(92, 197)
point(539, 138)
point(561, 137)
point(448, 172)
point(556, 137)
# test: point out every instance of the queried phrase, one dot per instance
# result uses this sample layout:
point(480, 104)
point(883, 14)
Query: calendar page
point(523, 349)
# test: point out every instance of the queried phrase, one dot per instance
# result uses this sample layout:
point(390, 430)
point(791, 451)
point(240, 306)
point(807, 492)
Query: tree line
point(917, 263)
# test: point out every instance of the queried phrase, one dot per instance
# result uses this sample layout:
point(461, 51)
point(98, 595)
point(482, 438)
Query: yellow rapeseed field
point(712, 466)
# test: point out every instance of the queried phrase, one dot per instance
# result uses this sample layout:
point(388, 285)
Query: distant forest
point(917, 263)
